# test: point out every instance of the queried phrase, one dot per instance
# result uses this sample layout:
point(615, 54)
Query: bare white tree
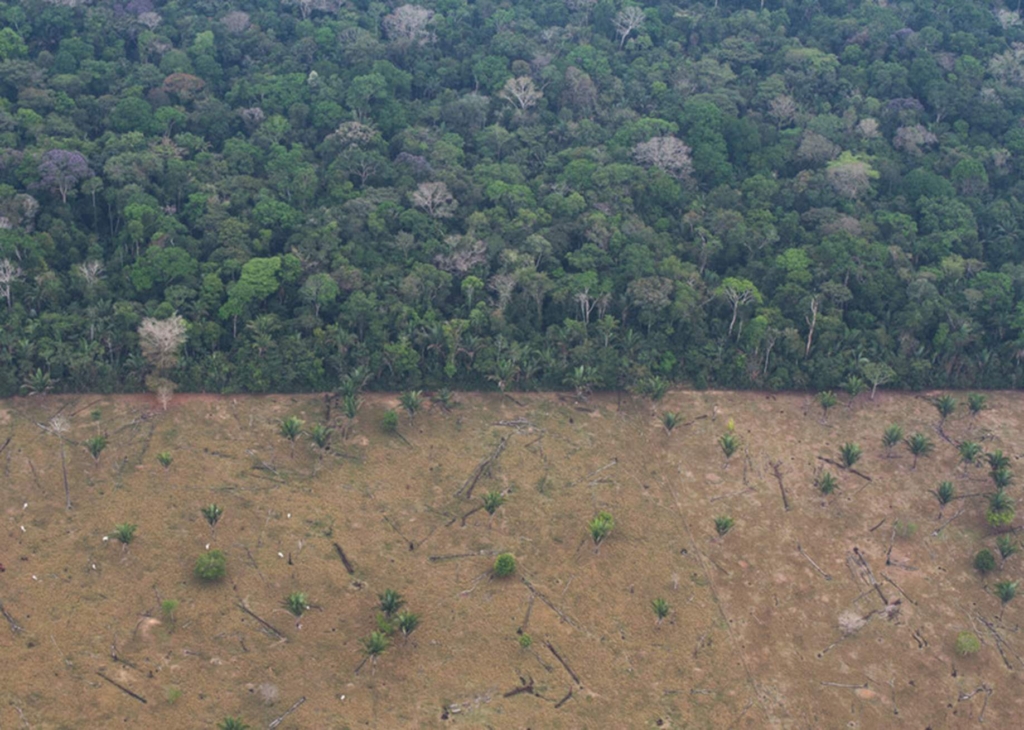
point(161, 339)
point(9, 273)
point(151, 20)
point(521, 92)
point(669, 153)
point(868, 127)
point(306, 7)
point(408, 25)
point(237, 21)
point(59, 426)
point(90, 271)
point(435, 199)
point(628, 20)
point(913, 138)
point(782, 109)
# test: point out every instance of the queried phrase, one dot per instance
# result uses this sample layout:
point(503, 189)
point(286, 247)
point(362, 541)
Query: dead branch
point(289, 711)
point(393, 526)
point(565, 699)
point(124, 689)
point(482, 468)
point(550, 605)
point(844, 686)
point(748, 490)
point(943, 526)
point(988, 693)
point(824, 575)
point(15, 627)
point(902, 592)
point(526, 619)
point(1001, 642)
point(344, 558)
point(524, 688)
point(5, 444)
point(248, 612)
point(881, 522)
point(563, 663)
point(589, 477)
point(871, 575)
point(456, 556)
point(777, 469)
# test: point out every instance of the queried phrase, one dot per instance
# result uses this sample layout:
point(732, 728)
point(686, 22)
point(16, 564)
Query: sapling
point(945, 405)
point(827, 483)
point(723, 524)
point(849, 454)
point(232, 723)
point(984, 561)
point(601, 526)
point(967, 643)
point(211, 566)
point(945, 492)
point(297, 603)
point(407, 622)
point(390, 601)
point(919, 445)
point(1000, 509)
point(827, 400)
point(411, 401)
point(970, 452)
point(976, 403)
point(1007, 546)
point(671, 419)
point(504, 565)
point(660, 608)
point(291, 429)
point(212, 513)
point(96, 444)
point(892, 435)
point(493, 500)
point(165, 459)
point(124, 533)
point(730, 444)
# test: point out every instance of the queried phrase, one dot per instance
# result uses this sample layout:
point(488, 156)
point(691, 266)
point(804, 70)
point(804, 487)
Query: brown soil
point(760, 633)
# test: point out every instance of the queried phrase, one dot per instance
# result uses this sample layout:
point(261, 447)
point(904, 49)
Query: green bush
point(723, 524)
point(211, 566)
point(389, 422)
point(984, 561)
point(504, 565)
point(967, 643)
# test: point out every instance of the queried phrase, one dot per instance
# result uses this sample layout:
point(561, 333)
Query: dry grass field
point(841, 611)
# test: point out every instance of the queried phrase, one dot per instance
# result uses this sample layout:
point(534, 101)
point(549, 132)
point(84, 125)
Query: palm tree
point(407, 622)
point(850, 454)
point(291, 429)
point(976, 403)
point(945, 405)
point(827, 483)
point(1000, 509)
point(493, 500)
point(96, 444)
point(730, 444)
point(826, 399)
point(970, 452)
point(723, 524)
point(321, 436)
point(670, 419)
point(390, 602)
point(661, 609)
point(919, 445)
point(1002, 478)
point(1007, 591)
point(892, 435)
point(580, 379)
point(945, 492)
point(998, 460)
point(411, 401)
point(601, 526)
point(854, 386)
point(374, 645)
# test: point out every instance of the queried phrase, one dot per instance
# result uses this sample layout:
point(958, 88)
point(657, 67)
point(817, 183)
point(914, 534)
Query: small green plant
point(411, 401)
point(1000, 509)
point(723, 524)
point(660, 608)
point(849, 454)
point(671, 419)
point(1006, 590)
point(297, 603)
point(321, 436)
point(96, 415)
point(892, 435)
point(384, 624)
point(970, 452)
point(504, 565)
point(919, 445)
point(172, 694)
point(1007, 546)
point(350, 405)
point(827, 483)
point(854, 386)
point(444, 398)
point(945, 492)
point(96, 444)
point(124, 533)
point(390, 601)
point(904, 530)
point(212, 513)
point(389, 422)
point(730, 444)
point(827, 400)
point(601, 526)
point(976, 403)
point(997, 460)
point(654, 387)
point(232, 723)
point(407, 622)
point(493, 500)
point(967, 643)
point(165, 459)
point(211, 566)
point(291, 429)
point(1002, 478)
point(945, 405)
point(525, 641)
point(375, 644)
point(167, 607)
point(984, 561)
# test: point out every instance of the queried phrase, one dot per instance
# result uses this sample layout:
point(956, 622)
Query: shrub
point(660, 608)
point(723, 524)
point(389, 422)
point(504, 565)
point(976, 403)
point(297, 603)
point(827, 483)
point(211, 566)
point(525, 641)
point(1007, 546)
point(984, 561)
point(212, 514)
point(892, 435)
point(967, 643)
point(125, 533)
point(850, 454)
point(390, 602)
point(165, 459)
point(493, 500)
point(1000, 509)
point(945, 492)
point(671, 419)
point(601, 526)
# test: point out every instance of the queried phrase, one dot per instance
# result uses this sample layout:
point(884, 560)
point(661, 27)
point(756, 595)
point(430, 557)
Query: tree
point(10, 273)
point(826, 399)
point(61, 170)
point(661, 609)
point(670, 154)
point(291, 429)
point(435, 199)
point(161, 340)
point(521, 92)
point(412, 401)
point(945, 405)
point(877, 374)
point(320, 290)
point(919, 445)
point(849, 176)
point(849, 454)
point(626, 21)
point(738, 292)
point(892, 435)
point(407, 25)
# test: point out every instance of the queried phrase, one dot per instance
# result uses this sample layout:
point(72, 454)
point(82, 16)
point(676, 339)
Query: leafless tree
point(669, 153)
point(464, 252)
point(9, 273)
point(816, 149)
point(59, 427)
point(237, 21)
point(161, 339)
point(151, 20)
point(782, 109)
point(580, 91)
point(628, 20)
point(408, 25)
point(521, 92)
point(503, 285)
point(90, 271)
point(435, 199)
point(913, 138)
point(306, 7)
point(868, 127)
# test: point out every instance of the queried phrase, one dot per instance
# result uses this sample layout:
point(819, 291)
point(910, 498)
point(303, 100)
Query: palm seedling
point(232, 723)
point(411, 401)
point(321, 436)
point(849, 454)
point(1002, 478)
point(1007, 591)
point(945, 405)
point(997, 460)
point(407, 622)
point(671, 419)
point(125, 532)
point(945, 493)
point(445, 398)
point(165, 459)
point(389, 422)
point(350, 405)
point(854, 386)
point(297, 603)
point(374, 645)
point(654, 387)
point(892, 435)
point(168, 606)
point(730, 444)
point(1007, 546)
point(212, 513)
point(601, 526)
point(827, 400)
point(660, 608)
point(1000, 509)
point(390, 602)
point(976, 403)
point(291, 429)
point(827, 483)
point(723, 524)
point(493, 500)
point(970, 452)
point(96, 444)
point(919, 445)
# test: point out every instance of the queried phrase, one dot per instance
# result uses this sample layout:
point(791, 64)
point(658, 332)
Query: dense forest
point(587, 193)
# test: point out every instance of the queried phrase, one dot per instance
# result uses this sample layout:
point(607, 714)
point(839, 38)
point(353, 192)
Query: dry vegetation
point(841, 611)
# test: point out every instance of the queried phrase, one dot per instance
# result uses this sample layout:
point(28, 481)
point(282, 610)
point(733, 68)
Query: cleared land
point(778, 624)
